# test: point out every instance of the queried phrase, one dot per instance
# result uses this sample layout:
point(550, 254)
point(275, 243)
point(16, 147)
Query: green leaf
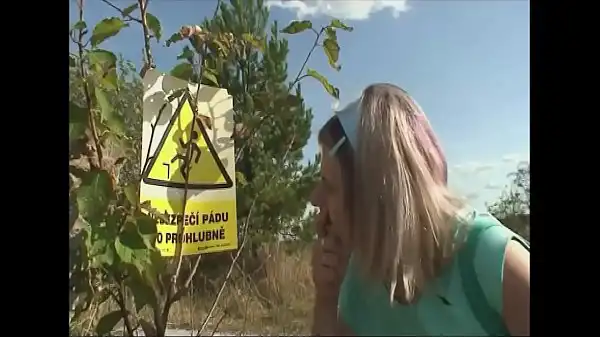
point(183, 71)
point(154, 25)
point(106, 28)
point(124, 253)
point(331, 33)
point(332, 50)
point(296, 27)
point(132, 249)
point(78, 122)
point(105, 259)
point(339, 24)
point(131, 239)
point(113, 120)
point(147, 227)
point(110, 79)
point(104, 64)
point(79, 25)
point(333, 91)
point(158, 262)
point(131, 193)
point(142, 288)
point(102, 59)
point(107, 323)
point(176, 37)
point(210, 75)
point(186, 54)
point(94, 195)
point(254, 41)
point(102, 253)
point(127, 11)
point(240, 178)
point(99, 245)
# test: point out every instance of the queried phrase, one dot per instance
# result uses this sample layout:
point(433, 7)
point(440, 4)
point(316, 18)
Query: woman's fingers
point(331, 244)
point(326, 270)
point(328, 257)
point(329, 260)
point(322, 223)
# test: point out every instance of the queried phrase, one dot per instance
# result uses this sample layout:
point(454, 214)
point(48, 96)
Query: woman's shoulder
point(477, 265)
point(481, 259)
point(484, 233)
point(487, 237)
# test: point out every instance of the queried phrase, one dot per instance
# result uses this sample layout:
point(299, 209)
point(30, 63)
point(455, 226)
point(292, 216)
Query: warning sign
point(179, 148)
point(186, 152)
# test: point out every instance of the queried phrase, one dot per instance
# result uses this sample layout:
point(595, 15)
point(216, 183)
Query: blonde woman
point(398, 253)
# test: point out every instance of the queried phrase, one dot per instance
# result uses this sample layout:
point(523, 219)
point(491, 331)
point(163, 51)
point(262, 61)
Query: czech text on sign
point(208, 227)
point(181, 147)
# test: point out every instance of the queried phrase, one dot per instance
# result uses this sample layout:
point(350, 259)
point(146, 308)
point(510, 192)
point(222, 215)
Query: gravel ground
point(186, 332)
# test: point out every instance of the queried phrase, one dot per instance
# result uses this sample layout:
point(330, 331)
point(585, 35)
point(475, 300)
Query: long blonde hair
point(402, 210)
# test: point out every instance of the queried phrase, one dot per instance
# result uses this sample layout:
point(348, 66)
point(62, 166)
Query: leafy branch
point(126, 13)
point(180, 228)
point(81, 28)
point(120, 243)
point(331, 49)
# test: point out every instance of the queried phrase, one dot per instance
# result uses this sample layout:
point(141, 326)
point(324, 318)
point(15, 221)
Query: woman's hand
point(328, 271)
point(329, 261)
point(328, 268)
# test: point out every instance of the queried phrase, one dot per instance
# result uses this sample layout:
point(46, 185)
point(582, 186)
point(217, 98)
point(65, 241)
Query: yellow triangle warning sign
point(186, 139)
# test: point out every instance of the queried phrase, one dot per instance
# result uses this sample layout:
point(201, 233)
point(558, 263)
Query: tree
point(270, 155)
point(513, 207)
point(306, 231)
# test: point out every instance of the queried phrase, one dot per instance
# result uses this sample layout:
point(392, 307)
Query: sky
point(465, 62)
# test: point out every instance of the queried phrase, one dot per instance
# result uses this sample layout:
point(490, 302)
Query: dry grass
point(275, 297)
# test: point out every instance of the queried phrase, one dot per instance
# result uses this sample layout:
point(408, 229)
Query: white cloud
point(492, 186)
point(472, 196)
point(482, 182)
point(514, 158)
point(341, 9)
point(472, 167)
point(483, 168)
point(476, 167)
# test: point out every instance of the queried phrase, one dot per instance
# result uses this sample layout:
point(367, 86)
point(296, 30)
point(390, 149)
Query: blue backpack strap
point(487, 315)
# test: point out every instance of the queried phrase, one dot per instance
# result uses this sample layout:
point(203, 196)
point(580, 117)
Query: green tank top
point(465, 300)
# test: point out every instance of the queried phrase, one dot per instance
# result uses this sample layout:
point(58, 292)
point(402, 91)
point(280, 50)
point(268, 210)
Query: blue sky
point(465, 62)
